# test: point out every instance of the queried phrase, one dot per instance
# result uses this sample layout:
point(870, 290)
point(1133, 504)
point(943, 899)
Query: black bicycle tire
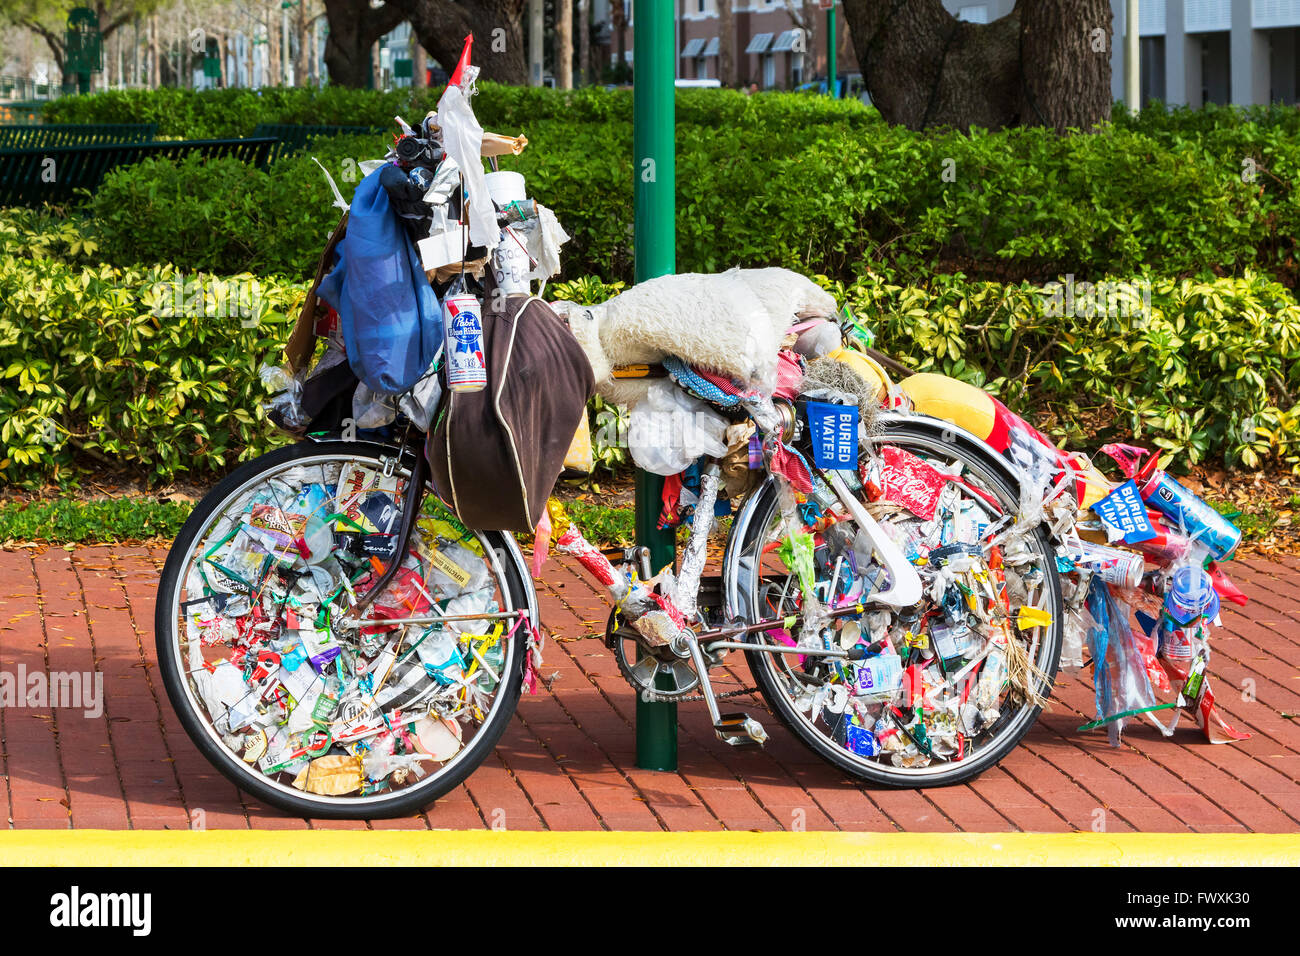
point(957, 772)
point(401, 803)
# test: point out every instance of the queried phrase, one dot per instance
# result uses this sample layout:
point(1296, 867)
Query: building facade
point(779, 44)
point(1193, 52)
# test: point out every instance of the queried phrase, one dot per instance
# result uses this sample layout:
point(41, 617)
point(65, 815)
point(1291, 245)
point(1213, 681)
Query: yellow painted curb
point(502, 848)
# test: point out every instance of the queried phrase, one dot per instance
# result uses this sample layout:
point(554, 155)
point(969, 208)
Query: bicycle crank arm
point(905, 584)
point(738, 730)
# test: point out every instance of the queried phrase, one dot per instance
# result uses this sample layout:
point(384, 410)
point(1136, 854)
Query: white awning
point(759, 43)
point(712, 48)
point(693, 47)
point(786, 41)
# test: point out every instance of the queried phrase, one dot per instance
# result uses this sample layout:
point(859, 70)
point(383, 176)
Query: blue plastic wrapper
point(1119, 673)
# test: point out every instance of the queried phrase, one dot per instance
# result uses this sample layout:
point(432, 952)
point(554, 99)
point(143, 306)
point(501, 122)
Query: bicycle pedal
point(740, 730)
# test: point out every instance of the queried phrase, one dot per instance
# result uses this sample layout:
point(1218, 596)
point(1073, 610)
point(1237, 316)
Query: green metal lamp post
point(654, 245)
point(830, 47)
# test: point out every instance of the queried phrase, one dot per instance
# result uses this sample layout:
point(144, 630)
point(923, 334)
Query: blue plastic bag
point(390, 316)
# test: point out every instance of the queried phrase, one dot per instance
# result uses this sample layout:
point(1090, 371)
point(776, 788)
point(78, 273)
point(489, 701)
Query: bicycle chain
point(651, 697)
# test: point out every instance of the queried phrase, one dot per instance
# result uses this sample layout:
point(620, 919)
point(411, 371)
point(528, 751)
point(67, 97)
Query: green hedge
point(1211, 371)
point(1199, 369)
point(224, 216)
point(218, 114)
point(97, 375)
point(773, 179)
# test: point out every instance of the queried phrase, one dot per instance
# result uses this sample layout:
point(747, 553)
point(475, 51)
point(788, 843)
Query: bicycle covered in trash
point(345, 625)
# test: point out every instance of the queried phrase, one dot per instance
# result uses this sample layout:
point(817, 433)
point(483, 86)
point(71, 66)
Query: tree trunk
point(301, 65)
point(1033, 67)
point(1065, 63)
point(419, 64)
point(154, 72)
point(564, 44)
point(620, 31)
point(353, 29)
point(274, 61)
point(726, 44)
point(584, 42)
point(496, 25)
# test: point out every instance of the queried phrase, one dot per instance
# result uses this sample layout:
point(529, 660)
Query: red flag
point(462, 62)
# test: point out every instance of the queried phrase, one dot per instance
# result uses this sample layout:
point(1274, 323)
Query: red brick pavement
point(568, 760)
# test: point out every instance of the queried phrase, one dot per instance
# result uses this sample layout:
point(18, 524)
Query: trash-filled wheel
point(930, 694)
point(299, 699)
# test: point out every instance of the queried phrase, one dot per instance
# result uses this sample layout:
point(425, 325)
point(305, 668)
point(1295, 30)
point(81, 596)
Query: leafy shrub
point(1209, 370)
point(94, 370)
point(219, 114)
point(225, 216)
point(41, 234)
point(789, 180)
point(222, 114)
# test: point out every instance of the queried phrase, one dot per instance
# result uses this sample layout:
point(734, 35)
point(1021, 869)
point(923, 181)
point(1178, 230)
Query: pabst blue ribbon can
point(462, 320)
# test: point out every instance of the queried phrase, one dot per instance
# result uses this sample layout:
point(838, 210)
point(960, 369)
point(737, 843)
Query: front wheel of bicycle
point(317, 711)
point(865, 720)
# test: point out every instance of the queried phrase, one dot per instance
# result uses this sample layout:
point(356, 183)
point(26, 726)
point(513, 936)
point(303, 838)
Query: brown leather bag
point(494, 454)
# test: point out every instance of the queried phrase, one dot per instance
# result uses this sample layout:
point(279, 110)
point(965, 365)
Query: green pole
point(830, 47)
point(654, 246)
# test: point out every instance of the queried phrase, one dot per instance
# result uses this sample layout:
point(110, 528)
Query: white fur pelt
point(731, 323)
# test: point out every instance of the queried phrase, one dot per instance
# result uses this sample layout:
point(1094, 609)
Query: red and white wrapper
point(901, 478)
point(573, 542)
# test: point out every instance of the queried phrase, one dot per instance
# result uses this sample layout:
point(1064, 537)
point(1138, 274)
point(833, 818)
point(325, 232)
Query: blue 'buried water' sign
point(834, 434)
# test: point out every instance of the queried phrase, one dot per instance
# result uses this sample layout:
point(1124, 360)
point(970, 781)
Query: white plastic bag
point(462, 138)
point(543, 238)
point(670, 429)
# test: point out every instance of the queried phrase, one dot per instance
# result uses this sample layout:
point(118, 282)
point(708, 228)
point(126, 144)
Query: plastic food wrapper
point(371, 409)
point(421, 403)
point(670, 429)
point(1121, 684)
point(285, 406)
point(462, 137)
point(543, 237)
point(330, 775)
point(902, 478)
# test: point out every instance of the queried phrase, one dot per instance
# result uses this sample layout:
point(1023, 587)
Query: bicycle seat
point(730, 323)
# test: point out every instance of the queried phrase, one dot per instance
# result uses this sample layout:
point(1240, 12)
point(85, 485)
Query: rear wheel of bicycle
point(951, 743)
point(296, 701)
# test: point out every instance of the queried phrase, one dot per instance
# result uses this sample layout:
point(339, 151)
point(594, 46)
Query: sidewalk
point(568, 761)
